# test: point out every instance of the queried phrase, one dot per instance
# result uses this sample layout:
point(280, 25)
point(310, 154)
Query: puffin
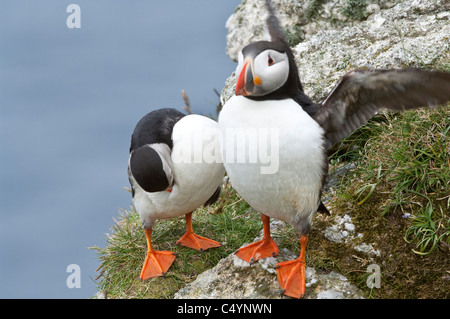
point(173, 170)
point(271, 115)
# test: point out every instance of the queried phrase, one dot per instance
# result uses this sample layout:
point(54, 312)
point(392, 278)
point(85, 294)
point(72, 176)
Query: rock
point(247, 24)
point(100, 295)
point(300, 19)
point(336, 232)
point(342, 231)
point(409, 34)
point(233, 278)
point(349, 227)
point(368, 249)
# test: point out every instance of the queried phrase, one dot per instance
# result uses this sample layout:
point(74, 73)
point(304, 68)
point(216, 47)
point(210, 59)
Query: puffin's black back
point(155, 127)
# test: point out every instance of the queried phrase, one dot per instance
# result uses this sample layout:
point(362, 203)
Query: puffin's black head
point(267, 70)
point(150, 167)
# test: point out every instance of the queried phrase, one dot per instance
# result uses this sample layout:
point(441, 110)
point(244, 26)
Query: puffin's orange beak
point(247, 80)
point(240, 85)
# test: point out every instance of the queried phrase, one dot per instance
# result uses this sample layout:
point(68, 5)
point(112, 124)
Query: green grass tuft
point(230, 221)
point(406, 158)
point(398, 198)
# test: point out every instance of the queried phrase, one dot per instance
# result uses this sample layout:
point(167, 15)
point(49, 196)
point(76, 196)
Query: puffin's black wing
point(323, 209)
point(214, 197)
point(360, 94)
point(155, 127)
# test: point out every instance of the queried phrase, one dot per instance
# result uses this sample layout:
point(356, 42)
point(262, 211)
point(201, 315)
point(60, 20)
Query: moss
point(294, 35)
point(354, 9)
point(241, 5)
point(313, 8)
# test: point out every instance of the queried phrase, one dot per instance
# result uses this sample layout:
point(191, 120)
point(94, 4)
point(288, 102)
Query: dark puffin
point(169, 177)
point(269, 95)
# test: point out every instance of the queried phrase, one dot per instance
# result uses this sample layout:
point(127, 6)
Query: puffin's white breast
point(289, 144)
point(197, 172)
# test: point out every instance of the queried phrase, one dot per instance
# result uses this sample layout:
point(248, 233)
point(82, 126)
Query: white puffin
point(269, 98)
point(172, 172)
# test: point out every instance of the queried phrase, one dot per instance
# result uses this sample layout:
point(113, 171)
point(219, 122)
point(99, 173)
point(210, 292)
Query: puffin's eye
point(270, 61)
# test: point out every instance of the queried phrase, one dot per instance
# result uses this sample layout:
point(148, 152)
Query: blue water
point(69, 100)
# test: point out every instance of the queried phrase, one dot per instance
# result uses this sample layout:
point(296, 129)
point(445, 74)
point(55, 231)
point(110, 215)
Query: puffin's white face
point(263, 74)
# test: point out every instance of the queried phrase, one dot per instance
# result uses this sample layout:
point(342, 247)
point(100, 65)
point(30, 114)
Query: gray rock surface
point(233, 278)
point(411, 34)
point(301, 19)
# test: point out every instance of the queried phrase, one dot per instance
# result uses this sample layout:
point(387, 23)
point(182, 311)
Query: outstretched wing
point(360, 94)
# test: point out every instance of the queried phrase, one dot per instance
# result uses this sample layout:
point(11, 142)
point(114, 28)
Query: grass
point(410, 162)
point(294, 35)
point(230, 221)
point(353, 9)
point(429, 228)
point(398, 197)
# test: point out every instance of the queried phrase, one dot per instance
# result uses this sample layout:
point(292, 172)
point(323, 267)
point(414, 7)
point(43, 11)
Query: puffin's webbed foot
point(291, 273)
point(156, 263)
point(192, 240)
point(266, 247)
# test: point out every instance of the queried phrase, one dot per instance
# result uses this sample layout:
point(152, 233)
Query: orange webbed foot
point(291, 273)
point(192, 240)
point(260, 249)
point(198, 242)
point(291, 277)
point(257, 250)
point(156, 264)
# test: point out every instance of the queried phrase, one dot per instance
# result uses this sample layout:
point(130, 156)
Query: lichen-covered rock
point(300, 19)
point(233, 278)
point(247, 24)
point(342, 230)
point(411, 34)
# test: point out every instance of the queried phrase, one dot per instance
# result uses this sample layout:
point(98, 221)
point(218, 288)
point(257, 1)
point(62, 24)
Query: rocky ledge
point(233, 278)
